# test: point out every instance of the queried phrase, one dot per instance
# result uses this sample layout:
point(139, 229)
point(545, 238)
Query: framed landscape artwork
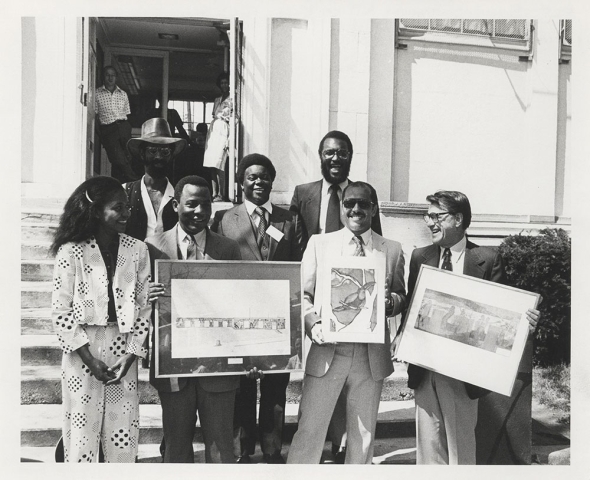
point(225, 317)
point(466, 328)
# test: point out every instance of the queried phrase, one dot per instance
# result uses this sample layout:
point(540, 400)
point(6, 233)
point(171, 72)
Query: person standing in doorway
point(112, 106)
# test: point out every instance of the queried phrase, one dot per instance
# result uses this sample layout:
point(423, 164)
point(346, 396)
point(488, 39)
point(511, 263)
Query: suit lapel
point(431, 256)
point(244, 229)
point(279, 225)
point(312, 206)
point(211, 252)
point(473, 265)
point(170, 243)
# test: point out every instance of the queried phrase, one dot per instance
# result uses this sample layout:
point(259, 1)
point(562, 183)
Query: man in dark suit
point(181, 397)
point(150, 197)
point(264, 232)
point(446, 408)
point(356, 370)
point(318, 204)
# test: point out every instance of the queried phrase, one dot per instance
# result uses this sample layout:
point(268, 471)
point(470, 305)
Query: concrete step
point(38, 231)
point(40, 350)
point(36, 321)
point(36, 294)
point(33, 250)
point(41, 384)
point(41, 424)
point(37, 270)
point(46, 215)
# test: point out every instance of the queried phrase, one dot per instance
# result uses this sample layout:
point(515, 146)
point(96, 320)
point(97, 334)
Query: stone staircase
point(41, 357)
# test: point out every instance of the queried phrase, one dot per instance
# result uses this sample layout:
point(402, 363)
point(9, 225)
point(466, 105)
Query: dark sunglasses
point(363, 204)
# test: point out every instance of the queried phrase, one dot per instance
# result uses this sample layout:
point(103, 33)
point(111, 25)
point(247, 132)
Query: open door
point(236, 37)
point(87, 88)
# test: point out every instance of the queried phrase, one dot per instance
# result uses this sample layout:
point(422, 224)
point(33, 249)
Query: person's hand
point(121, 367)
point(317, 334)
point(254, 373)
point(100, 370)
point(534, 317)
point(155, 291)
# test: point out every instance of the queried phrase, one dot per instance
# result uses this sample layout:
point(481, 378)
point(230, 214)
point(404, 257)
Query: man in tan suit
point(358, 369)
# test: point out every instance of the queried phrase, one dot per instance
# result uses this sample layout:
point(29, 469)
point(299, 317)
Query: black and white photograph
point(296, 234)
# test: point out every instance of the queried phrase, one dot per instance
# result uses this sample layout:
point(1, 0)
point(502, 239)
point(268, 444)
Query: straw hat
point(156, 131)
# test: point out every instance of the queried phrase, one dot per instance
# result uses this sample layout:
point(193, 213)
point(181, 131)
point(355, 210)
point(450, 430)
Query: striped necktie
point(360, 251)
point(261, 212)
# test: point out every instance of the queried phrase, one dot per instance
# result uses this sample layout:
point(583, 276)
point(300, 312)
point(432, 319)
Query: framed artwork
point(353, 299)
point(225, 317)
point(466, 328)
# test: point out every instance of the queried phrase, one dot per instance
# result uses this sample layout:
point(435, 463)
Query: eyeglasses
point(161, 150)
point(351, 202)
point(342, 154)
point(434, 217)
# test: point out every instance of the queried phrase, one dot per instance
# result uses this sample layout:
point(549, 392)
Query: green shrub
point(542, 264)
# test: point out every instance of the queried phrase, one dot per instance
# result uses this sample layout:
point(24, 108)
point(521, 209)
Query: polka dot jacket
point(80, 292)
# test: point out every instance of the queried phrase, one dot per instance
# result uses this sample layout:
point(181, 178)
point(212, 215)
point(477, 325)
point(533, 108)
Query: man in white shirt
point(446, 408)
point(355, 370)
point(151, 196)
point(112, 107)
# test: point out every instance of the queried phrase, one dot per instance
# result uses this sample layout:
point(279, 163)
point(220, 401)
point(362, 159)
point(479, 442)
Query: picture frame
point(353, 299)
point(467, 328)
point(226, 317)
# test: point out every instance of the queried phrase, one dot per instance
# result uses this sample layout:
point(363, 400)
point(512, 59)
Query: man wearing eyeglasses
point(318, 204)
point(150, 197)
point(446, 408)
point(355, 370)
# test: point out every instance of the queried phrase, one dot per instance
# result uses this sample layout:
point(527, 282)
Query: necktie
point(261, 225)
point(333, 215)
point(446, 264)
point(360, 251)
point(191, 251)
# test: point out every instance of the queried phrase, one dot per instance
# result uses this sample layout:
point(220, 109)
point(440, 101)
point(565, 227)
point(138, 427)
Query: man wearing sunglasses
point(354, 370)
point(318, 204)
point(150, 197)
point(447, 409)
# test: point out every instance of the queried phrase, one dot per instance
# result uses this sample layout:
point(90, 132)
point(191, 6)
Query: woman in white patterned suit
point(101, 316)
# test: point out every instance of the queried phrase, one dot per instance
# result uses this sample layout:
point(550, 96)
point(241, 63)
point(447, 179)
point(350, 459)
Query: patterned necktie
point(191, 251)
point(261, 225)
point(360, 251)
point(333, 222)
point(446, 264)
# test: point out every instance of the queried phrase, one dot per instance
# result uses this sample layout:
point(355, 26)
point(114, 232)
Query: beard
point(345, 170)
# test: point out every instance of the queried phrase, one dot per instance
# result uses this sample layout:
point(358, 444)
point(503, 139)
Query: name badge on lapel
point(275, 233)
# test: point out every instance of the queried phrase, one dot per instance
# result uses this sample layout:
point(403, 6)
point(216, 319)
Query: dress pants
point(445, 422)
point(179, 418)
point(349, 372)
point(337, 428)
point(271, 414)
point(114, 138)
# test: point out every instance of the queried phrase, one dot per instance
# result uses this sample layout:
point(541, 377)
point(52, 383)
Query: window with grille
point(565, 37)
point(502, 33)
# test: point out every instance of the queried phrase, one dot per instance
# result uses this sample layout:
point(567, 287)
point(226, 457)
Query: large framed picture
point(466, 328)
point(225, 317)
point(353, 298)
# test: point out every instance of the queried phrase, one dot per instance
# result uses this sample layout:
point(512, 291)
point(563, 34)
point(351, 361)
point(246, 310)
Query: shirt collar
point(459, 247)
point(200, 238)
point(250, 207)
point(326, 185)
point(365, 236)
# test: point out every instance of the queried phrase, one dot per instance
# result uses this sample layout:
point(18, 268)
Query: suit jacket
point(306, 202)
point(137, 222)
point(480, 262)
point(320, 357)
point(165, 246)
point(235, 223)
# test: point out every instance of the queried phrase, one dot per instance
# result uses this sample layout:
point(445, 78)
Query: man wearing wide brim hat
point(150, 197)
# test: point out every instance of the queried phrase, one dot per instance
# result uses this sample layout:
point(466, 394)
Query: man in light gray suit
point(182, 397)
point(358, 369)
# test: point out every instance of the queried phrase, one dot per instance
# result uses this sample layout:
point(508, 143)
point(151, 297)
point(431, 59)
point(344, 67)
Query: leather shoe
point(276, 458)
point(340, 456)
point(243, 459)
